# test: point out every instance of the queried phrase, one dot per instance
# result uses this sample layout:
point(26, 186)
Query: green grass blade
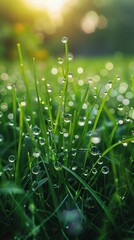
point(93, 193)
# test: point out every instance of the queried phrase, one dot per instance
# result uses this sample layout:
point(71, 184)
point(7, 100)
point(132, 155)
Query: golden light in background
point(53, 7)
point(91, 21)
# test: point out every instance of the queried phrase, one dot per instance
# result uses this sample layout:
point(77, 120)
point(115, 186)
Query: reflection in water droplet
point(105, 170)
point(94, 150)
point(11, 158)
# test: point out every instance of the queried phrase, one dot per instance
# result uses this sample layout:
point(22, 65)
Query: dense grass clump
point(66, 152)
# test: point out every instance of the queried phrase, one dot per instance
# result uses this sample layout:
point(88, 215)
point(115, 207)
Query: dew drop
point(28, 118)
point(132, 130)
point(1, 138)
point(58, 166)
point(11, 123)
point(120, 122)
point(94, 150)
point(70, 57)
point(118, 78)
point(94, 171)
point(100, 162)
point(34, 186)
point(42, 141)
point(64, 40)
point(95, 139)
point(1, 114)
point(35, 170)
point(90, 80)
point(67, 117)
point(120, 107)
point(70, 75)
point(36, 153)
point(81, 122)
point(36, 130)
point(74, 168)
point(105, 170)
point(127, 119)
point(60, 60)
point(11, 158)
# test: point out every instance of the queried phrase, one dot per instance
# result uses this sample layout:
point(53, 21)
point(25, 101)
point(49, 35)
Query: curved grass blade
point(92, 192)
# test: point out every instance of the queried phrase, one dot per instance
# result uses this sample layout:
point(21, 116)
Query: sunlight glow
point(53, 7)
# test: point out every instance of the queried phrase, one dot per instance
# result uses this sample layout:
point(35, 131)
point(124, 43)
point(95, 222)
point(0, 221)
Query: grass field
point(66, 148)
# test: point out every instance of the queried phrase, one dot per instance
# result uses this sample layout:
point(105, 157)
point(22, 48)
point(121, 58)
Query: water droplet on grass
point(95, 139)
point(90, 80)
point(36, 153)
point(127, 119)
point(70, 57)
point(74, 168)
point(1, 114)
point(35, 170)
point(60, 60)
point(94, 171)
point(105, 170)
point(81, 122)
point(85, 173)
point(11, 123)
point(118, 78)
point(67, 117)
point(42, 141)
point(80, 70)
point(34, 186)
point(64, 40)
point(36, 130)
point(11, 158)
point(58, 166)
point(120, 122)
point(132, 130)
point(70, 75)
point(94, 150)
point(80, 82)
point(120, 107)
point(1, 138)
point(28, 118)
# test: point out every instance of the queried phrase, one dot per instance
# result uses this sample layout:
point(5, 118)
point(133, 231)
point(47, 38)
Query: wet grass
point(66, 149)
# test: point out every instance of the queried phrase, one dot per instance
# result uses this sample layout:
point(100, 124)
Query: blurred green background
point(94, 27)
